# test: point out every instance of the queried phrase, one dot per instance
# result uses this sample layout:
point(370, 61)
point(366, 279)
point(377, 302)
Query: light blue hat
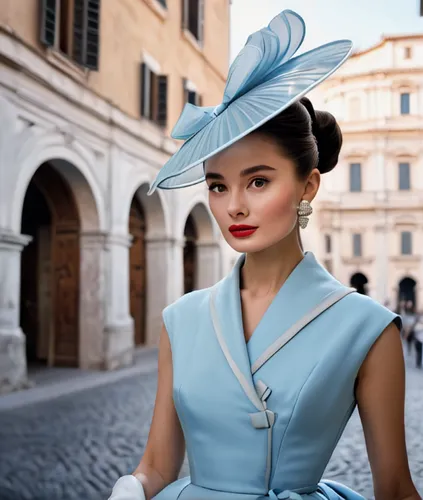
point(263, 80)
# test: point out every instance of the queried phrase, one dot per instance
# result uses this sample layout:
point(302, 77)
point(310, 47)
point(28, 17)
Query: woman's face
point(254, 193)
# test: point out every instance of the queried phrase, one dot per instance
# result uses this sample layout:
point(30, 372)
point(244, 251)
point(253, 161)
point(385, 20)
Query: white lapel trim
point(326, 303)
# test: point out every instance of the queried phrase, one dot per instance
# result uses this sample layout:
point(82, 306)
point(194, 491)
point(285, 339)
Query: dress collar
point(304, 289)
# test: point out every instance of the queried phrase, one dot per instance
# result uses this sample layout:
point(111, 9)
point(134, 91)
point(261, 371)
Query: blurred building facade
point(89, 92)
point(368, 220)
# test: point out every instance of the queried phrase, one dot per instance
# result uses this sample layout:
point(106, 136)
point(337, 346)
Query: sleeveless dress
point(261, 419)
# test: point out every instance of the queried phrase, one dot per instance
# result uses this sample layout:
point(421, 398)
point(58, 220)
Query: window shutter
point(48, 16)
point(92, 34)
point(184, 14)
point(162, 100)
point(143, 90)
point(86, 32)
point(201, 21)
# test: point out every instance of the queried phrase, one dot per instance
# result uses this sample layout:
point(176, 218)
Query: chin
point(247, 245)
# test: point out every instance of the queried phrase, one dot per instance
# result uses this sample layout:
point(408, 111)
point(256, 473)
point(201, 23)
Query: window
point(357, 245)
point(73, 28)
point(191, 94)
point(406, 243)
point(355, 177)
point(193, 18)
point(153, 96)
point(404, 176)
point(162, 3)
point(328, 243)
point(405, 104)
point(407, 52)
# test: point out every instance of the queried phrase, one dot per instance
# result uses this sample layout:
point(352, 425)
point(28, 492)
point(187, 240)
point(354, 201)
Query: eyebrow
point(244, 173)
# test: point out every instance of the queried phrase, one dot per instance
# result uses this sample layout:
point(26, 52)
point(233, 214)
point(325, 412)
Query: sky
point(362, 21)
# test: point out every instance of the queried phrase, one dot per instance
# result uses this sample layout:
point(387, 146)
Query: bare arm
point(165, 450)
point(380, 395)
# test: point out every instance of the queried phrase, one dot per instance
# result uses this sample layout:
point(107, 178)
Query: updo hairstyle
point(310, 138)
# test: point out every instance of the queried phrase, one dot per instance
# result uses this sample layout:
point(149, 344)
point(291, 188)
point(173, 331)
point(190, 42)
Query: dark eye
point(259, 182)
point(217, 188)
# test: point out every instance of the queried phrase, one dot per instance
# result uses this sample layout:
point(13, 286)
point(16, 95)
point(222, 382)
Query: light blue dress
point(261, 419)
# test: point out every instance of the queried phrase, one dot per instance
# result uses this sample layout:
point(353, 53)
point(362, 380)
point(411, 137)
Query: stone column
point(13, 367)
point(165, 280)
point(92, 300)
point(119, 325)
point(208, 264)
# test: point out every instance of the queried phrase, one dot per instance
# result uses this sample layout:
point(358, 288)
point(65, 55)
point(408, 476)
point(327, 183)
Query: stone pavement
point(74, 447)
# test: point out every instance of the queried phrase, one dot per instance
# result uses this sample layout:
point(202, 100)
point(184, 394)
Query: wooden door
point(137, 271)
point(66, 253)
point(63, 344)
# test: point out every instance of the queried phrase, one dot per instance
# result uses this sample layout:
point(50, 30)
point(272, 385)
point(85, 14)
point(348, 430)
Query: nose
point(237, 205)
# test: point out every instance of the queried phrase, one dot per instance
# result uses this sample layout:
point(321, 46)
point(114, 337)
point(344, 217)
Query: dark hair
point(309, 138)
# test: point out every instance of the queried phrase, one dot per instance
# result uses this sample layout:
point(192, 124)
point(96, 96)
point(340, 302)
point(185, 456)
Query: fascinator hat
point(263, 80)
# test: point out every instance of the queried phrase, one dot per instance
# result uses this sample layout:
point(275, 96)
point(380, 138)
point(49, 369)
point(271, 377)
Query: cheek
point(280, 207)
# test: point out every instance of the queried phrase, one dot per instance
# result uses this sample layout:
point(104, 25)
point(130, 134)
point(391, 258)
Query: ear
point(312, 185)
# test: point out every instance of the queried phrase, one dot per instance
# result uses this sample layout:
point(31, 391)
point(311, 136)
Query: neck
point(264, 273)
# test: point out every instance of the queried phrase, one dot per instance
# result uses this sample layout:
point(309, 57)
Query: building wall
point(130, 32)
point(364, 95)
point(85, 125)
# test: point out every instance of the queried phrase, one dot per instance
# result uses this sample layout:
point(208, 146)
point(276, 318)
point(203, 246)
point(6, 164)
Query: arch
point(360, 282)
point(202, 253)
point(50, 288)
point(407, 292)
point(156, 222)
point(150, 266)
point(73, 162)
point(156, 209)
point(207, 229)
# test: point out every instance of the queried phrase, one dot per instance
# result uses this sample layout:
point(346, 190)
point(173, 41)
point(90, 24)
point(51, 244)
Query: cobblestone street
point(75, 447)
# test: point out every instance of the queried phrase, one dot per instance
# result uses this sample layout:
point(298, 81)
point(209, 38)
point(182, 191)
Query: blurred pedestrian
point(418, 339)
point(409, 321)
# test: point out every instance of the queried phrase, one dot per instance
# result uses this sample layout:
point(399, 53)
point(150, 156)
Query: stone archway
point(360, 282)
point(150, 255)
point(137, 271)
point(407, 292)
point(202, 254)
point(76, 242)
point(50, 270)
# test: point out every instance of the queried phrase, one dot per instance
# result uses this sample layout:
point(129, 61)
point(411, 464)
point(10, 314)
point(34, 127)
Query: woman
point(259, 374)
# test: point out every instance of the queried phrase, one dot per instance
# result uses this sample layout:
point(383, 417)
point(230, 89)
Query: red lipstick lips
point(242, 230)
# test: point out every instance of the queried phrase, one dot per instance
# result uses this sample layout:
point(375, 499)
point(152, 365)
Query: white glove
point(127, 488)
